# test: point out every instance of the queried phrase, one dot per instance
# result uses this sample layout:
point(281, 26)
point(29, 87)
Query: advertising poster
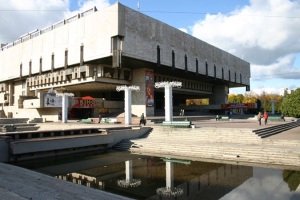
point(52, 101)
point(149, 89)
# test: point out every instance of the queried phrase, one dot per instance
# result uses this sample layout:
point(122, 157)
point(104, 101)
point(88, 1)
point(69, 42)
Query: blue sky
point(263, 32)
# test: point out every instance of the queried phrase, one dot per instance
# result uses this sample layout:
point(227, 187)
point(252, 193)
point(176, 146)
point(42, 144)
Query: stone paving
point(19, 184)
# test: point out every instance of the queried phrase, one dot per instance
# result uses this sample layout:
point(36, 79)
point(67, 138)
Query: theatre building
point(92, 53)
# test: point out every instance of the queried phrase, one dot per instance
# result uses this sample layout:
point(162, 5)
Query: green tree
point(239, 98)
point(291, 104)
point(231, 98)
point(250, 97)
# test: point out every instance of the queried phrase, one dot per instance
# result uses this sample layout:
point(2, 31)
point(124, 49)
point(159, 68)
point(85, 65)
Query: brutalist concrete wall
point(143, 35)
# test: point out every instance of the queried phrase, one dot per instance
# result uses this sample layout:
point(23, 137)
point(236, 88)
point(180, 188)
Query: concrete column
point(168, 97)
point(127, 106)
point(64, 112)
point(127, 90)
point(64, 105)
point(169, 175)
point(128, 165)
point(168, 103)
point(220, 95)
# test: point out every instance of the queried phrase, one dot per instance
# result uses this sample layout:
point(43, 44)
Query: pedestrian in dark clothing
point(282, 117)
point(143, 120)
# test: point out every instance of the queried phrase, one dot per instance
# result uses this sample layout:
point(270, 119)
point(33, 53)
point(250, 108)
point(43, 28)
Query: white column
point(168, 97)
point(64, 105)
point(127, 106)
point(168, 103)
point(128, 171)
point(169, 175)
point(127, 99)
point(64, 112)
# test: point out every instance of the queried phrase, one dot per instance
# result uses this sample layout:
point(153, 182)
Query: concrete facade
point(91, 53)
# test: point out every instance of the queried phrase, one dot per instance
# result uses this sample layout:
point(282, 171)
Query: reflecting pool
point(146, 177)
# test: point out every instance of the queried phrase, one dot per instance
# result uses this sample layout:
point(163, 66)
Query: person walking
point(142, 119)
point(266, 117)
point(259, 116)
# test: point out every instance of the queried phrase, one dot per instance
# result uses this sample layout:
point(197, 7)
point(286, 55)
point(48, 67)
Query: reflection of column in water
point(129, 181)
point(169, 175)
point(169, 190)
point(128, 164)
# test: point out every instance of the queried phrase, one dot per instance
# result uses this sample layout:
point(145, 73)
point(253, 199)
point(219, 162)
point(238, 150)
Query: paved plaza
point(17, 183)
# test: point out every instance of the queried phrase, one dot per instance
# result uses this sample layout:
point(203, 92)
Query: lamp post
point(65, 105)
point(168, 96)
point(127, 90)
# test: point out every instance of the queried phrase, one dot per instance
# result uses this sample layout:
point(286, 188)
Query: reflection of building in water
point(199, 180)
point(82, 179)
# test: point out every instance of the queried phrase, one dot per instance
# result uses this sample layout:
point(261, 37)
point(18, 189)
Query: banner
point(238, 105)
point(149, 89)
point(52, 101)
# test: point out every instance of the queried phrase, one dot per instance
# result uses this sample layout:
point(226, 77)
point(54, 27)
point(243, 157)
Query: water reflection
point(179, 179)
point(129, 181)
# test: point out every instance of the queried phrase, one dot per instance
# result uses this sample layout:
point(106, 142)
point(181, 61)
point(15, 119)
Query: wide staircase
point(273, 130)
point(231, 144)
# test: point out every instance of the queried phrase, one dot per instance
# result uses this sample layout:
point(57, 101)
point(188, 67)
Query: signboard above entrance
point(84, 102)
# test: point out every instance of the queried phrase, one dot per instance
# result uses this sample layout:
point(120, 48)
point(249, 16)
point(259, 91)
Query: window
point(240, 78)
point(127, 75)
point(197, 67)
point(185, 63)
point(21, 69)
point(41, 65)
point(173, 59)
point(66, 58)
point(215, 71)
point(116, 45)
point(206, 68)
point(222, 73)
point(108, 72)
point(234, 76)
point(158, 55)
point(81, 54)
point(52, 62)
point(30, 67)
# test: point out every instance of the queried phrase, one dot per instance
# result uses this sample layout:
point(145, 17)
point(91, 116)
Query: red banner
point(238, 105)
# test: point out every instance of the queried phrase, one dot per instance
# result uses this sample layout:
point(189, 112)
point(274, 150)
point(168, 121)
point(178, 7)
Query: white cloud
point(265, 33)
point(183, 30)
point(20, 17)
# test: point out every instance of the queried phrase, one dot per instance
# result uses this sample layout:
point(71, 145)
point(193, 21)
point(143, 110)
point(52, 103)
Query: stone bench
point(222, 118)
point(87, 121)
point(275, 118)
point(185, 124)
